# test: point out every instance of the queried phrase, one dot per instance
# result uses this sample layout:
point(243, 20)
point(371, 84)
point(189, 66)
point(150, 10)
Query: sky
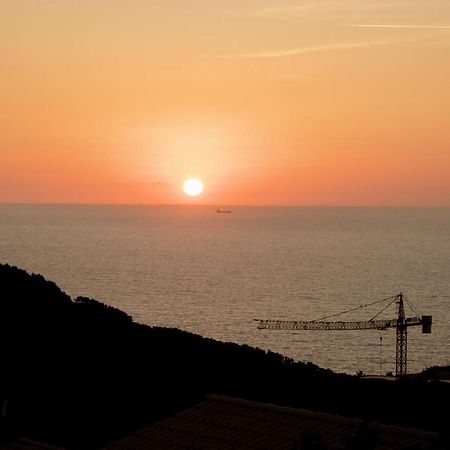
point(279, 102)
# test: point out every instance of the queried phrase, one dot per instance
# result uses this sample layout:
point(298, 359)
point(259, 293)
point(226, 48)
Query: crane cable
point(359, 307)
point(411, 305)
point(384, 309)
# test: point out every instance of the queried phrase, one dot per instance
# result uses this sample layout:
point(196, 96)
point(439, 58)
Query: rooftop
point(221, 422)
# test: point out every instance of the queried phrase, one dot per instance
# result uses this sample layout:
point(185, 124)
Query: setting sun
point(193, 187)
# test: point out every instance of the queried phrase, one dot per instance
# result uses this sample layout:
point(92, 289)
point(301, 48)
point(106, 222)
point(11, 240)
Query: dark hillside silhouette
point(80, 373)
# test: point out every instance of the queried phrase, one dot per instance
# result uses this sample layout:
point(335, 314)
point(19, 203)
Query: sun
point(193, 187)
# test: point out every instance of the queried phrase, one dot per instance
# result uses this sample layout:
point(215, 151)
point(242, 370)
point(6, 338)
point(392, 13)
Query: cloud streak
point(318, 8)
point(283, 53)
point(300, 50)
point(283, 11)
point(319, 48)
point(421, 27)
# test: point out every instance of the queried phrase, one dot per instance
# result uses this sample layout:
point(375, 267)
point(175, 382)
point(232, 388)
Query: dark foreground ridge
point(79, 373)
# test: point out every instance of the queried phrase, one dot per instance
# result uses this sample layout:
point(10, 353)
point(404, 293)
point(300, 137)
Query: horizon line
point(216, 205)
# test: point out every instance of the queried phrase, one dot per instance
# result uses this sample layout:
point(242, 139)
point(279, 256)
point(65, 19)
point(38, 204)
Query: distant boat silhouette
point(221, 211)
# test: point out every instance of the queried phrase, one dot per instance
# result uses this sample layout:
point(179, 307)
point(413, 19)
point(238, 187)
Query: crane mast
point(401, 346)
point(401, 324)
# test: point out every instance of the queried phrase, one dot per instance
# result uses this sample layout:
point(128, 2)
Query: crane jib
point(364, 325)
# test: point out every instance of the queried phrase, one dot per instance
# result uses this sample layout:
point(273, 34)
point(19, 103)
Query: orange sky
point(321, 102)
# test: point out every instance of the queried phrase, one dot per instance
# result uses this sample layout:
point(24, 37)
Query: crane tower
point(401, 324)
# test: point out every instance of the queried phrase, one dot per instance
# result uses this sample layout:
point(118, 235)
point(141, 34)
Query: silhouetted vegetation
point(79, 373)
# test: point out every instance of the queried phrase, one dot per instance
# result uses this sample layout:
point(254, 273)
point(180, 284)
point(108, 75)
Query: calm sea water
point(213, 274)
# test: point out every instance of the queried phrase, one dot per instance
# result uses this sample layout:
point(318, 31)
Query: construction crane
point(401, 323)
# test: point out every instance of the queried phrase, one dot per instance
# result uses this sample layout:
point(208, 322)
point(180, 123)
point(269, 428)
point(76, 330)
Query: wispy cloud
point(317, 8)
point(282, 53)
point(300, 50)
point(282, 11)
point(422, 27)
point(46, 5)
point(320, 48)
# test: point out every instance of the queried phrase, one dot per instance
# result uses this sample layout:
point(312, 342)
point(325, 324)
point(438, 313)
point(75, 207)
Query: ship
point(223, 211)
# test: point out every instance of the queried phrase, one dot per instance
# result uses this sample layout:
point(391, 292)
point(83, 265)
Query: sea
point(213, 274)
